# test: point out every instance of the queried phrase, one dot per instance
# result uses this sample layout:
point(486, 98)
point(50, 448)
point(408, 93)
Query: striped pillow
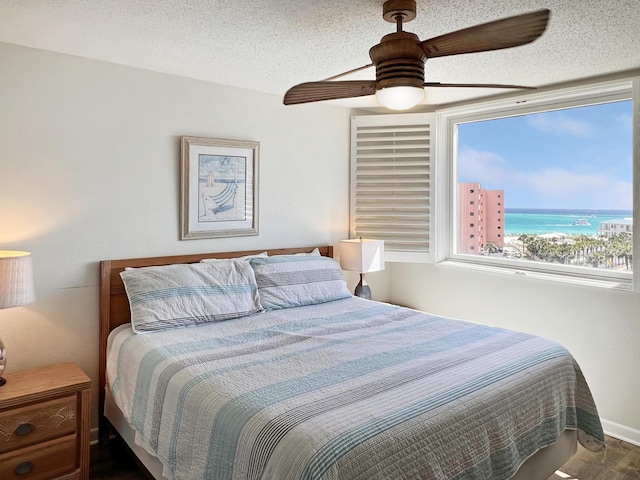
point(183, 295)
point(294, 280)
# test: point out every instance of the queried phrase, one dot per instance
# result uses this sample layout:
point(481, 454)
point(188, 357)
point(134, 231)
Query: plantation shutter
point(391, 187)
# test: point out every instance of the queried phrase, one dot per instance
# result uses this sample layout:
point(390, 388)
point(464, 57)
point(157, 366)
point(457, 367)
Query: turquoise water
point(539, 221)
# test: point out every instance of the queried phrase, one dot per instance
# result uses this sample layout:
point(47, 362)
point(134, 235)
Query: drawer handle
point(24, 468)
point(24, 429)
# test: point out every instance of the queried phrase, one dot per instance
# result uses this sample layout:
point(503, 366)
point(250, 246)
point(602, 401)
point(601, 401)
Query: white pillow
point(183, 295)
point(294, 280)
point(245, 257)
point(315, 253)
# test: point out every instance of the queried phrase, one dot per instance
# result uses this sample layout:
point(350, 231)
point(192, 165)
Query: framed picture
point(219, 188)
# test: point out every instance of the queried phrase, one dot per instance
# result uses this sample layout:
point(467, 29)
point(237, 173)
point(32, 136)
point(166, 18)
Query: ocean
point(540, 221)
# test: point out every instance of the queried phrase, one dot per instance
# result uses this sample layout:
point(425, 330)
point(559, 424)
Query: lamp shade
point(362, 255)
point(400, 97)
point(16, 279)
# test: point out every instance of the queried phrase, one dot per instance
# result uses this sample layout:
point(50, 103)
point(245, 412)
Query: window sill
point(561, 277)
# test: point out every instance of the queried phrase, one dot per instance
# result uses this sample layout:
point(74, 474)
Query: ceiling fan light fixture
point(400, 98)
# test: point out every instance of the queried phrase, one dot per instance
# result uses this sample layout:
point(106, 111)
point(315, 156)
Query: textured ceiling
point(271, 45)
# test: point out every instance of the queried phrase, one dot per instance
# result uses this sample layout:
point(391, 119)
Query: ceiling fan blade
point(505, 33)
point(348, 73)
point(476, 85)
point(318, 91)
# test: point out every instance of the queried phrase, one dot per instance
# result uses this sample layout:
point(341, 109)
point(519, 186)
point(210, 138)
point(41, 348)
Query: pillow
point(245, 257)
point(184, 295)
point(315, 252)
point(294, 280)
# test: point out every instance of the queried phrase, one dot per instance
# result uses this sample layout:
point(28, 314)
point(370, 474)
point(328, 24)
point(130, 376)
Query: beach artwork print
point(222, 188)
point(219, 188)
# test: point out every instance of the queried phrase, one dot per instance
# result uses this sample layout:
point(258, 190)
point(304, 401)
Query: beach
point(558, 221)
point(571, 237)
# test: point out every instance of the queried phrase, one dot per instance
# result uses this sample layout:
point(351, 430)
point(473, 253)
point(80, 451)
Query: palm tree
point(620, 247)
point(524, 238)
point(580, 246)
point(490, 247)
point(595, 259)
point(563, 253)
point(534, 245)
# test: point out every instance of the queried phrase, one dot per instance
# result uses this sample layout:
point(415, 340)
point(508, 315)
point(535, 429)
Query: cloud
point(545, 187)
point(558, 123)
point(488, 168)
point(625, 120)
point(571, 189)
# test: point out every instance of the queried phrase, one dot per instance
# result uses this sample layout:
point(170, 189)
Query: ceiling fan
point(400, 58)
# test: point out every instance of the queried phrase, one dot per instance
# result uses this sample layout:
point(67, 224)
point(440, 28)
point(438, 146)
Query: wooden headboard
point(114, 305)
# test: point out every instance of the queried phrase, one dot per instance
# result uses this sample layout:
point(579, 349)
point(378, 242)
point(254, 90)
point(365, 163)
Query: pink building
point(480, 218)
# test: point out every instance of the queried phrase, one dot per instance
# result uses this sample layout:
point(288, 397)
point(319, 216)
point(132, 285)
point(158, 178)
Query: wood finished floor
point(621, 462)
point(113, 462)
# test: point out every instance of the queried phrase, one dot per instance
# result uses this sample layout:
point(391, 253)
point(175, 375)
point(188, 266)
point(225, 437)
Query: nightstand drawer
point(23, 426)
point(38, 462)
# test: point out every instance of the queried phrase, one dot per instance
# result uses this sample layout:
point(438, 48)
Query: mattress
point(350, 389)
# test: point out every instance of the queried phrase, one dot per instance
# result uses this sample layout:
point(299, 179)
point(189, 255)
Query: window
point(555, 172)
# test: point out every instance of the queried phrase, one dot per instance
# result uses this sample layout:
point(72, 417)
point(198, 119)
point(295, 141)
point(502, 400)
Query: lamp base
point(362, 289)
point(3, 362)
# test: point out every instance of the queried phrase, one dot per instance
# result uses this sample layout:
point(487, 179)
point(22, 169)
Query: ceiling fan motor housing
point(399, 61)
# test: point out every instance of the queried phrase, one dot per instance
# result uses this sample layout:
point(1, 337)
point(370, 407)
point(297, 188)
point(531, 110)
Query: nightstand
point(44, 424)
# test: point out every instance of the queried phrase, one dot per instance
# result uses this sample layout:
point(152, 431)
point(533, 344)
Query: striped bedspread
point(349, 390)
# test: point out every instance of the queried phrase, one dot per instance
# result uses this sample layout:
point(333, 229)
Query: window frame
point(446, 179)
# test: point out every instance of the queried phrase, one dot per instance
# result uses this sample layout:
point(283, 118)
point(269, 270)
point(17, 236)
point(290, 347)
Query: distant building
point(480, 218)
point(610, 228)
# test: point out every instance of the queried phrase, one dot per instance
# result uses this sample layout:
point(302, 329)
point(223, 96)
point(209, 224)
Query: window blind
point(391, 182)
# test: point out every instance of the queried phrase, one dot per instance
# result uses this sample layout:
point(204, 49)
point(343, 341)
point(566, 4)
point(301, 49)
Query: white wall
point(89, 170)
point(600, 327)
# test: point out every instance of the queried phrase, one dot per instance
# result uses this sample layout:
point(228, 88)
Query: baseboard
point(621, 432)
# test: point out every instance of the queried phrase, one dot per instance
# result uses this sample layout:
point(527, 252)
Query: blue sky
point(578, 159)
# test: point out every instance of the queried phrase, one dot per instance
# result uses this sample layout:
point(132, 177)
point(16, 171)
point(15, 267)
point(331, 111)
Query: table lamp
point(16, 288)
point(363, 256)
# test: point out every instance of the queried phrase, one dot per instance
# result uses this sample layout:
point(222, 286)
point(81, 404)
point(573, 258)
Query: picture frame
point(219, 188)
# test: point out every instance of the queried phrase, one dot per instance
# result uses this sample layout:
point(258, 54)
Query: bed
point(335, 387)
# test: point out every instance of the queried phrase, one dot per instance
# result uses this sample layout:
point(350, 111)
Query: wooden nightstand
point(44, 424)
